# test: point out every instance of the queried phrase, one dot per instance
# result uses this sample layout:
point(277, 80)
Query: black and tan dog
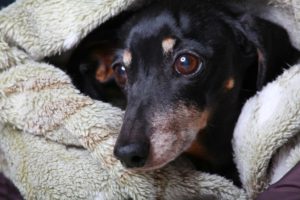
point(91, 71)
point(187, 68)
point(89, 65)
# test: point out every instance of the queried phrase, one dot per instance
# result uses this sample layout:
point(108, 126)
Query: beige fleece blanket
point(56, 143)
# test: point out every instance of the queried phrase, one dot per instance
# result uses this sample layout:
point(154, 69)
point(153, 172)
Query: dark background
point(4, 3)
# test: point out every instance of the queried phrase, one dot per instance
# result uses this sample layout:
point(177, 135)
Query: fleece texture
point(56, 143)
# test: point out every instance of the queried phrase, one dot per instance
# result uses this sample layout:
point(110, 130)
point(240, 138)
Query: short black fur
point(231, 44)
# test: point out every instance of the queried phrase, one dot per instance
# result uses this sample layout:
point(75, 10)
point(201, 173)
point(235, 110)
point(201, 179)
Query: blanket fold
point(56, 143)
point(269, 124)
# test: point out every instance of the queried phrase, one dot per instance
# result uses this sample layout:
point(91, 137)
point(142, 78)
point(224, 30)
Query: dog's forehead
point(161, 30)
point(157, 27)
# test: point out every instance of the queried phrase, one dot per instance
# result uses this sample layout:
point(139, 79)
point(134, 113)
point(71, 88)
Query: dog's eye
point(187, 64)
point(120, 74)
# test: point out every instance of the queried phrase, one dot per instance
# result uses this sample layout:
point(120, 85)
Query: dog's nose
point(132, 155)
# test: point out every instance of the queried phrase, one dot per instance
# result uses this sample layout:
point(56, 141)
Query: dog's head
point(183, 68)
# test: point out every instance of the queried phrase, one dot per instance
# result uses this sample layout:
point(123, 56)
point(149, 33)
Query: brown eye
point(120, 74)
point(187, 64)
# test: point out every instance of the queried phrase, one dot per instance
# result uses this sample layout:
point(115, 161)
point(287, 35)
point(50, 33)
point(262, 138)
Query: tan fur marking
point(196, 150)
point(168, 45)
point(229, 84)
point(127, 57)
point(105, 57)
point(104, 73)
point(174, 131)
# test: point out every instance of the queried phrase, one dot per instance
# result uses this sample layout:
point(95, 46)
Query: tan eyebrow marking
point(168, 45)
point(229, 84)
point(127, 57)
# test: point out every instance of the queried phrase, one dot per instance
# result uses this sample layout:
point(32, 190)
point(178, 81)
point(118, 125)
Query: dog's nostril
point(132, 155)
point(138, 161)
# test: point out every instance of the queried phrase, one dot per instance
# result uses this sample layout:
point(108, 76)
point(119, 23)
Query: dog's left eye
point(120, 74)
point(187, 64)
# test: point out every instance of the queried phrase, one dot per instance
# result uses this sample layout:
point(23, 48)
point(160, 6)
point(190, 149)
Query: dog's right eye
point(187, 64)
point(120, 74)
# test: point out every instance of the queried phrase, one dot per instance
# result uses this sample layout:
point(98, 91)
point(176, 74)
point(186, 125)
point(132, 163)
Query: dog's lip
point(146, 169)
point(152, 165)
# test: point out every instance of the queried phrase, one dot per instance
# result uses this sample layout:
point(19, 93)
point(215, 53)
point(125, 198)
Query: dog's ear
point(269, 41)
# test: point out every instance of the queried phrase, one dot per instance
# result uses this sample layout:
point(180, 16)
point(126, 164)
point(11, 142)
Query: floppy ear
point(273, 47)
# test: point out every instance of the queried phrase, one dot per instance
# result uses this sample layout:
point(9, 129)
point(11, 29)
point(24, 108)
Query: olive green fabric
point(56, 143)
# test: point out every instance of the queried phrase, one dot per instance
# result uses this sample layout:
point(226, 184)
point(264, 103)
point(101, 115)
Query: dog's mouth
point(173, 134)
point(152, 165)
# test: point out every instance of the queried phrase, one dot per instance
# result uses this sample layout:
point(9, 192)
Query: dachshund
point(90, 64)
point(186, 69)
